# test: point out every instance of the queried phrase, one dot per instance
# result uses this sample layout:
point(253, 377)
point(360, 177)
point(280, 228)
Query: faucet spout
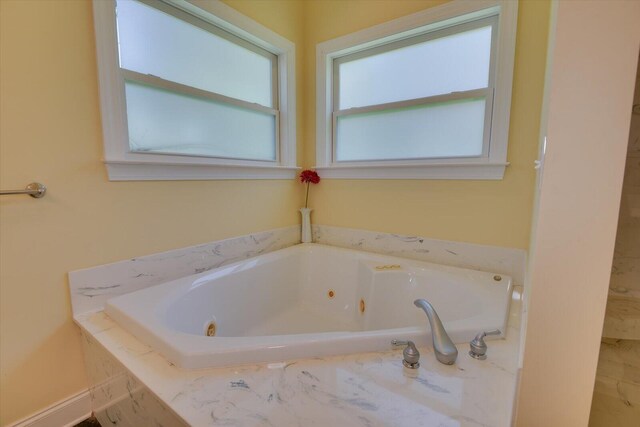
point(446, 351)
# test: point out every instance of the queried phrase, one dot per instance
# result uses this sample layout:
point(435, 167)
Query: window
point(430, 100)
point(187, 93)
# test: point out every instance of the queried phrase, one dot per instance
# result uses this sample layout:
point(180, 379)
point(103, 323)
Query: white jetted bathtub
point(308, 301)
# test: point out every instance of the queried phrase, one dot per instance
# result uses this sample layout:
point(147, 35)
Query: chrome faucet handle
point(411, 355)
point(478, 346)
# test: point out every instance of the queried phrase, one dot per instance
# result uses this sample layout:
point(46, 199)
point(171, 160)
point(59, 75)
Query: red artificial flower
point(309, 176)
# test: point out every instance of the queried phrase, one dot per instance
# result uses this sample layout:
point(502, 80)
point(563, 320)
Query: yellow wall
point(50, 132)
point(487, 212)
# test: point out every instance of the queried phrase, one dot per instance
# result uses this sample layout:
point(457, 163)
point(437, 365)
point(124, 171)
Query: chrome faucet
point(411, 355)
point(478, 348)
point(446, 351)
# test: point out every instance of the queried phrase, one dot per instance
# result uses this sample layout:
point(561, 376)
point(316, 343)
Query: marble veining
point(132, 382)
point(118, 397)
point(457, 254)
point(92, 287)
point(133, 385)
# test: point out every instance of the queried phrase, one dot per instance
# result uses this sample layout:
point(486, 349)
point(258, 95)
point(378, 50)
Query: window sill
point(141, 171)
point(480, 171)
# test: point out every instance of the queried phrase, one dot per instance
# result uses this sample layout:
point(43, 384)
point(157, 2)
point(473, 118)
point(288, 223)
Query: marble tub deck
point(371, 389)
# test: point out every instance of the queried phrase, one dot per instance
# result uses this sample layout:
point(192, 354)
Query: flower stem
point(306, 200)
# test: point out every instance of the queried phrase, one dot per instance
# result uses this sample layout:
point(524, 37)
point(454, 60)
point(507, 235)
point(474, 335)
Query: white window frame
point(126, 165)
point(492, 163)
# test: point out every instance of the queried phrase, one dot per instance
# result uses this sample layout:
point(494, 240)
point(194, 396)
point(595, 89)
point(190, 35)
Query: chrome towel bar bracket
point(35, 189)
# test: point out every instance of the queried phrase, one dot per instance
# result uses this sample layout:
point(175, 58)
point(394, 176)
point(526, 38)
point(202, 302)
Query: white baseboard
point(65, 413)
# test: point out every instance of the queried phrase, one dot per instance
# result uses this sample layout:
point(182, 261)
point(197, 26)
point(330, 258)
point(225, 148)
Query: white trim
point(467, 170)
point(427, 100)
point(231, 20)
point(149, 171)
point(506, 51)
point(157, 82)
point(67, 412)
point(124, 165)
point(490, 167)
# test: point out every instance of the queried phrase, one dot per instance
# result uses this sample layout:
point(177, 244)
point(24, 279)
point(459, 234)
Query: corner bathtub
point(307, 301)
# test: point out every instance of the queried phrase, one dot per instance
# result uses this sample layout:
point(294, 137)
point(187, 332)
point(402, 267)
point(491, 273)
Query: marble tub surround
point(118, 397)
point(370, 389)
point(92, 287)
point(509, 261)
point(133, 385)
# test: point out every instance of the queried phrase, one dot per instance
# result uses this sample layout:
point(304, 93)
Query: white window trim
point(124, 165)
point(491, 167)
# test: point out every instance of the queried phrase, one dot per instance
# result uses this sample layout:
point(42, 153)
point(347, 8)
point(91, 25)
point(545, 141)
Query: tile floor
point(616, 397)
point(90, 422)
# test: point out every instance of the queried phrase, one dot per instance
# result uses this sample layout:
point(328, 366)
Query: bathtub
point(308, 301)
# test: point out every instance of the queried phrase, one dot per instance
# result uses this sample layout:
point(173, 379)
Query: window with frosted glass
point(428, 96)
point(192, 88)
